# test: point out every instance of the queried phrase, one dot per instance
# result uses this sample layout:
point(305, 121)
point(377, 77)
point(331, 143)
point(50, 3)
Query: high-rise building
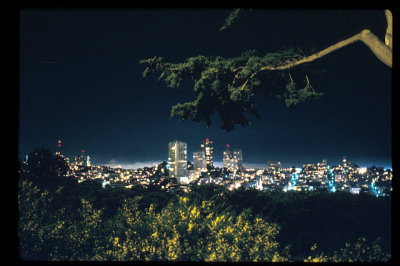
point(82, 160)
point(226, 159)
point(177, 160)
point(237, 159)
point(199, 160)
point(233, 160)
point(88, 160)
point(207, 147)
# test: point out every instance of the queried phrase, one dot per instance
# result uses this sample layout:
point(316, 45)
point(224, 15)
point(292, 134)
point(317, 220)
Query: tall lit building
point(88, 160)
point(82, 160)
point(227, 158)
point(199, 160)
point(233, 160)
point(207, 147)
point(237, 159)
point(177, 159)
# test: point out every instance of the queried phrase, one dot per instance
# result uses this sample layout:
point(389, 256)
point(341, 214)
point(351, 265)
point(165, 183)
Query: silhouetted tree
point(44, 168)
point(227, 86)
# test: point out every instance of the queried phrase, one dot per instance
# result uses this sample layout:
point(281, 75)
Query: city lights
point(177, 172)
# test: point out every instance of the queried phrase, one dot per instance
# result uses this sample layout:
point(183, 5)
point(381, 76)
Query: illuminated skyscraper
point(177, 159)
point(199, 160)
point(233, 160)
point(207, 147)
point(227, 158)
point(88, 160)
point(82, 160)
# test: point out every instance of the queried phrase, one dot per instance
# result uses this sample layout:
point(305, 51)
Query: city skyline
point(179, 173)
point(80, 81)
point(235, 154)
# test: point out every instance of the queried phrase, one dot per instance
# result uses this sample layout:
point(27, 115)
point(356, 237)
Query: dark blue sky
point(80, 81)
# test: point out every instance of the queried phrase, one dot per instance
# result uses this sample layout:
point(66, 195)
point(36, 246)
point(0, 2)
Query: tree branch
point(389, 29)
point(383, 51)
point(366, 36)
point(215, 77)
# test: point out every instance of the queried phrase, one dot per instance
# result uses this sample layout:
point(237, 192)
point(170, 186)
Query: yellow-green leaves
point(184, 228)
point(186, 231)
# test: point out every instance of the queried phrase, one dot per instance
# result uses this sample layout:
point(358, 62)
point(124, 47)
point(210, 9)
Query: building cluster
point(203, 161)
point(119, 177)
point(346, 176)
point(233, 160)
point(178, 173)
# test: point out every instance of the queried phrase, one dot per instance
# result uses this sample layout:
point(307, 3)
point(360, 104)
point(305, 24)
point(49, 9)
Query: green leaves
point(230, 19)
point(208, 224)
point(228, 86)
point(361, 251)
point(152, 65)
point(184, 111)
point(295, 96)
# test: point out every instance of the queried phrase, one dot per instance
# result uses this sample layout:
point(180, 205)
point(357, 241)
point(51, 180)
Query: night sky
point(80, 81)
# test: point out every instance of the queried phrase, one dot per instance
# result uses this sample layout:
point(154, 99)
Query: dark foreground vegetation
point(60, 219)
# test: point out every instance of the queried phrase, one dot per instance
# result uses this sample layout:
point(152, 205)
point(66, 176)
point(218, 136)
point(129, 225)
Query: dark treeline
point(60, 219)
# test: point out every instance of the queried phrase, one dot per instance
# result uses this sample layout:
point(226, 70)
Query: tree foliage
point(183, 229)
point(230, 20)
point(360, 251)
point(189, 232)
point(45, 168)
point(88, 222)
point(227, 86)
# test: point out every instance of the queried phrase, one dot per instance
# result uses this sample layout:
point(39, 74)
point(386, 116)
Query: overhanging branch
point(382, 51)
point(366, 36)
